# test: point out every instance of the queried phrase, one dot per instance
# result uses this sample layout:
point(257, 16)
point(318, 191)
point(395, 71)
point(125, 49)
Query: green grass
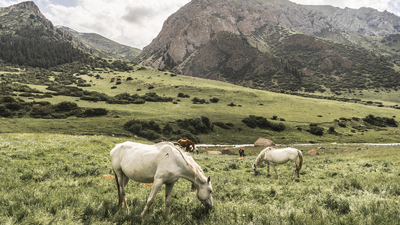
point(47, 178)
point(294, 110)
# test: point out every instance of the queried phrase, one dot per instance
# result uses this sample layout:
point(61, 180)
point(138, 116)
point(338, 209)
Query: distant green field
point(51, 179)
point(292, 111)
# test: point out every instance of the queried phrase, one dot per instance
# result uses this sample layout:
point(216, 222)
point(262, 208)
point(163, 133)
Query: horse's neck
point(194, 177)
point(190, 170)
point(260, 158)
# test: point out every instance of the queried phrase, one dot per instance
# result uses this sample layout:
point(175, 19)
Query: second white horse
point(274, 156)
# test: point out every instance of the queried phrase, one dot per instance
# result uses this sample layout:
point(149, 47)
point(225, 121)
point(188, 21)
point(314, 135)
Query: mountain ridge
point(102, 46)
point(197, 24)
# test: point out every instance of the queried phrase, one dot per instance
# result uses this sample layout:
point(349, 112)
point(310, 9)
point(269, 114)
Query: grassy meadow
point(294, 112)
point(57, 179)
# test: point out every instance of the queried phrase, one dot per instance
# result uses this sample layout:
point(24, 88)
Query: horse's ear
point(208, 179)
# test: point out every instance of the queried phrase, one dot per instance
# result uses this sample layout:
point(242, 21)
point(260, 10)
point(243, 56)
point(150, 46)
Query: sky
point(136, 22)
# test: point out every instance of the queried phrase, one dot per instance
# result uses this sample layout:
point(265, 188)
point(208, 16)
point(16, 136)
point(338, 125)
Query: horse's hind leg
point(124, 180)
point(121, 180)
point(294, 168)
point(156, 186)
point(118, 189)
point(168, 195)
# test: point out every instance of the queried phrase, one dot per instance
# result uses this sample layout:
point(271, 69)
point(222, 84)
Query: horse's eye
point(210, 191)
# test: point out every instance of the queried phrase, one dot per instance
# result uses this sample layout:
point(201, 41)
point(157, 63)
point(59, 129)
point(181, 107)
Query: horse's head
point(256, 169)
point(204, 191)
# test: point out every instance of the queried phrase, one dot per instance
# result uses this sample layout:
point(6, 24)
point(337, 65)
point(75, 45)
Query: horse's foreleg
point(156, 186)
point(268, 170)
point(168, 195)
point(273, 166)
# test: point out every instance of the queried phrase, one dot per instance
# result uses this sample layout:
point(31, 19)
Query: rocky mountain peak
point(194, 24)
point(30, 6)
point(271, 42)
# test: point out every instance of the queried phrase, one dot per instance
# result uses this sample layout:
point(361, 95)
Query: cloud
point(6, 3)
point(394, 6)
point(130, 22)
point(138, 15)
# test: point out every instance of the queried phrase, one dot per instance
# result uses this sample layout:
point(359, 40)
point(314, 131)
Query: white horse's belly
point(139, 166)
point(279, 160)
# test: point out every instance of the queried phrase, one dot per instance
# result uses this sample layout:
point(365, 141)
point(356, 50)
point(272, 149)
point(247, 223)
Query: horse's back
point(282, 155)
point(139, 161)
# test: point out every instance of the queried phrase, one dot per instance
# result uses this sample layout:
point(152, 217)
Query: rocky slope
point(28, 6)
point(254, 41)
point(103, 47)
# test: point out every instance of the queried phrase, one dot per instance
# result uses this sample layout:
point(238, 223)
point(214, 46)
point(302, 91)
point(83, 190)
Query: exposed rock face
point(227, 40)
point(195, 24)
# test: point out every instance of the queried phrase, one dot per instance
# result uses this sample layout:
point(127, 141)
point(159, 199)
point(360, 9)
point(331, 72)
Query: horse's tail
point(118, 188)
point(300, 162)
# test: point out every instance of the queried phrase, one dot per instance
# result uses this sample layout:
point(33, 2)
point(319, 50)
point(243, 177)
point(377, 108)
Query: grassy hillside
point(341, 121)
point(50, 178)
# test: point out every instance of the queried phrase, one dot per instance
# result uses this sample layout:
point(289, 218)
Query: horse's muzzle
point(208, 204)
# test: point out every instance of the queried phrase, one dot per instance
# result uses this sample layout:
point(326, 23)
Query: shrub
point(139, 101)
point(4, 112)
point(316, 130)
point(256, 121)
point(149, 130)
point(167, 129)
point(214, 100)
point(14, 106)
point(41, 110)
point(197, 100)
point(66, 106)
point(277, 126)
point(195, 126)
point(149, 134)
point(95, 112)
point(181, 95)
point(380, 121)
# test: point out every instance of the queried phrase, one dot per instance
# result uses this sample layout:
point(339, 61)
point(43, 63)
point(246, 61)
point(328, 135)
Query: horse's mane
point(191, 163)
point(261, 156)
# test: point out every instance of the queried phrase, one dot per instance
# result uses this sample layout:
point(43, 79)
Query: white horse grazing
point(279, 156)
point(162, 163)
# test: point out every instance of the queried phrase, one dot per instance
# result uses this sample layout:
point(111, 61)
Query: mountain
point(27, 38)
point(103, 47)
point(279, 45)
point(28, 12)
